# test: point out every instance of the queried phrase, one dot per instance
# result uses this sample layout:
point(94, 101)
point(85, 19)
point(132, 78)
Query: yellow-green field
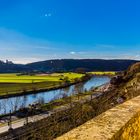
point(104, 73)
point(12, 83)
point(13, 78)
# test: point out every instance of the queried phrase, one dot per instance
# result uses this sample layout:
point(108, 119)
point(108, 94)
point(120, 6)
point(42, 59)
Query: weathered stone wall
point(131, 131)
point(119, 123)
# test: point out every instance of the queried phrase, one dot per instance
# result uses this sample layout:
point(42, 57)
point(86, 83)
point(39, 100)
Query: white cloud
point(72, 53)
point(137, 56)
point(25, 60)
point(48, 15)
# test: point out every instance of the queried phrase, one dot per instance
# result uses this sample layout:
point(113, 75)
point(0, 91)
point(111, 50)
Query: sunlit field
point(15, 83)
point(56, 77)
point(104, 73)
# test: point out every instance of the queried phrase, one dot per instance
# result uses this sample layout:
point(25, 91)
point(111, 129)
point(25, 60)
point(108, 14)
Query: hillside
point(9, 67)
point(61, 65)
point(85, 64)
point(127, 84)
point(131, 87)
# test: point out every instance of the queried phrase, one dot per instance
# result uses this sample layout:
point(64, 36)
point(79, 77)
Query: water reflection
point(15, 103)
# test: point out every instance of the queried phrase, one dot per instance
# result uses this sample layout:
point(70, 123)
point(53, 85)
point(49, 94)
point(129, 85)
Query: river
point(14, 103)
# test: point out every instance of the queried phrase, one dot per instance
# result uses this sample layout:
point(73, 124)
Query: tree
point(80, 70)
point(66, 80)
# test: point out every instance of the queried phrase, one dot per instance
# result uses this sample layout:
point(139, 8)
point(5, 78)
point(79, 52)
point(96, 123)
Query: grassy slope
point(11, 83)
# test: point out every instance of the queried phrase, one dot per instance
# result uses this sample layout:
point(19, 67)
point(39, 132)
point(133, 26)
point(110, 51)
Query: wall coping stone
point(106, 125)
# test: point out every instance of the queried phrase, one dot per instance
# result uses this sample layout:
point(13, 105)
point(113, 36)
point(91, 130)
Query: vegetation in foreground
point(17, 83)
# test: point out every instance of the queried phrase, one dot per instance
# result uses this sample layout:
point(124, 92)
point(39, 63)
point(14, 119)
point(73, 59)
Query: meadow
point(16, 83)
point(55, 77)
point(108, 73)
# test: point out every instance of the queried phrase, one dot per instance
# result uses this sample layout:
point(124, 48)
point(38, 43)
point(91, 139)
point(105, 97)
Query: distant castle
point(9, 62)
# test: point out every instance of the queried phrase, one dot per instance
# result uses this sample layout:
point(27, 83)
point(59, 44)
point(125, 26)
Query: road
point(20, 122)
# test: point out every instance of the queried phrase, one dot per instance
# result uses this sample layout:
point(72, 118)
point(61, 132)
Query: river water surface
point(14, 103)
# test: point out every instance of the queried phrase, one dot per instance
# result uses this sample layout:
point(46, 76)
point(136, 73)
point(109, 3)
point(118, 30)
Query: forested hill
point(9, 67)
point(67, 65)
point(86, 64)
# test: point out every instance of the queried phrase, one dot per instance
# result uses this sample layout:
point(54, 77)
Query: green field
point(14, 78)
point(111, 73)
point(15, 83)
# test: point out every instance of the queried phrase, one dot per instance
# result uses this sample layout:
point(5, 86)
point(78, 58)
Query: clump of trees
point(86, 77)
point(66, 80)
point(81, 70)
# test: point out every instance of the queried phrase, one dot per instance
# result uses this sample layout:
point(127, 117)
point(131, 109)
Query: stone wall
point(131, 131)
point(119, 123)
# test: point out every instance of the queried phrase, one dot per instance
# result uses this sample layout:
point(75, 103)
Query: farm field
point(15, 83)
point(15, 78)
point(111, 73)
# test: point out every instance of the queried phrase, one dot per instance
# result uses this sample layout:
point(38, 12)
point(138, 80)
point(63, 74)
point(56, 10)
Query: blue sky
point(34, 30)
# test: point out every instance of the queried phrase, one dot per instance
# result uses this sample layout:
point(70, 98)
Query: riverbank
point(63, 118)
point(57, 105)
point(26, 85)
point(52, 99)
point(14, 85)
point(38, 90)
point(73, 93)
